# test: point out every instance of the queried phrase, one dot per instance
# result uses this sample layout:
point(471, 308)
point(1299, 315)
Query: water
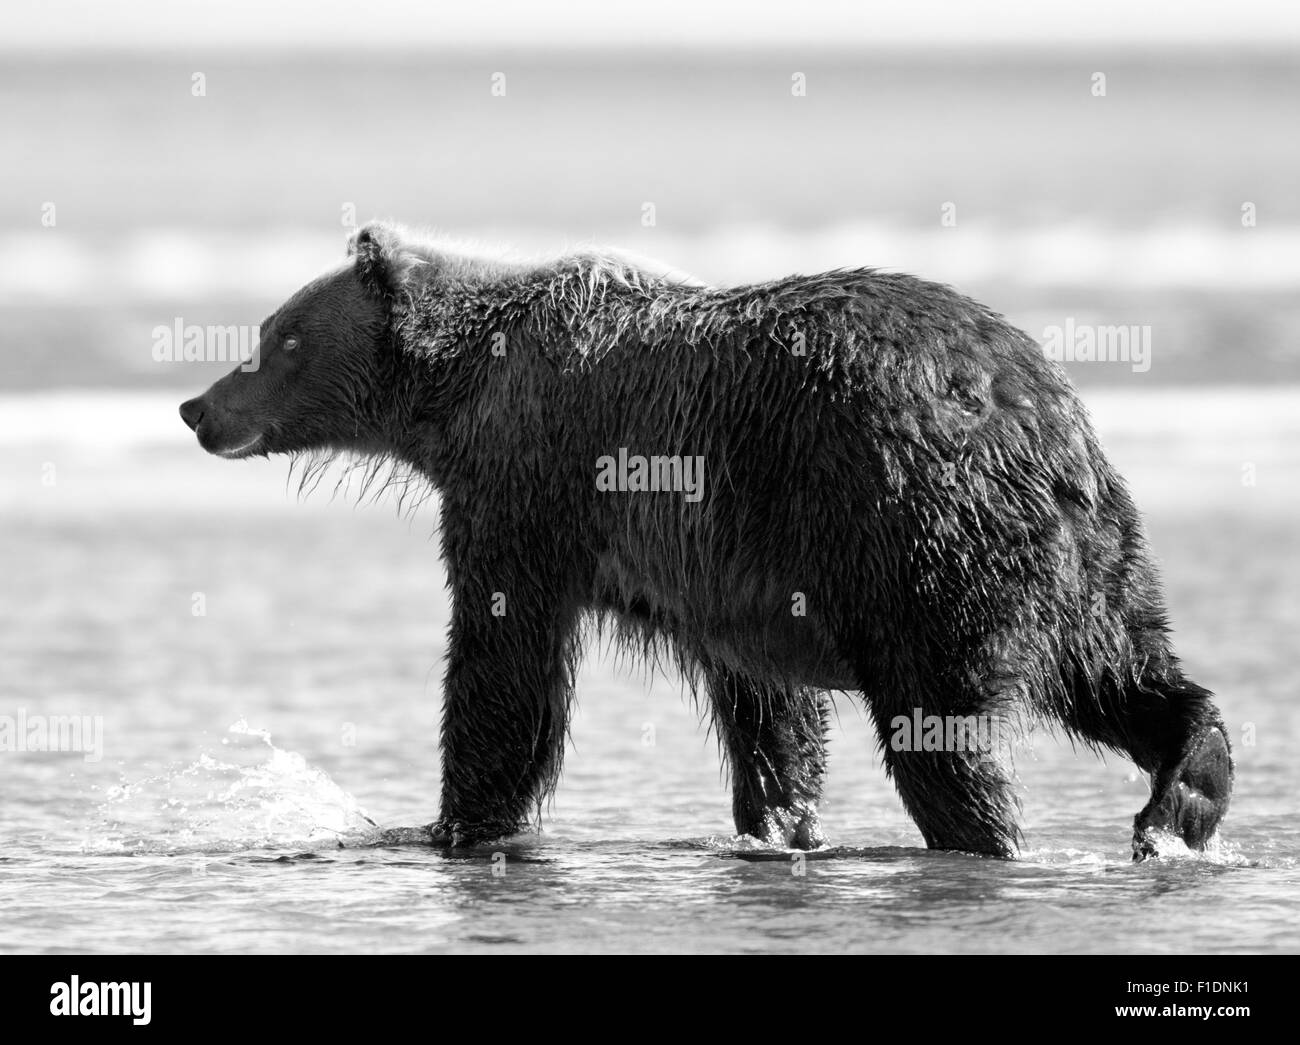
point(214, 209)
point(253, 756)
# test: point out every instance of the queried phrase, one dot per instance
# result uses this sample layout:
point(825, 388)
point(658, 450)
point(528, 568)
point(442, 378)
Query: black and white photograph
point(568, 478)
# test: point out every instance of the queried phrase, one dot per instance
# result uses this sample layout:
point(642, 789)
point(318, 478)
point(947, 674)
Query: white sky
point(250, 24)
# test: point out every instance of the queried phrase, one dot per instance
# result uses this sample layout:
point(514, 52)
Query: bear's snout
point(192, 412)
point(221, 431)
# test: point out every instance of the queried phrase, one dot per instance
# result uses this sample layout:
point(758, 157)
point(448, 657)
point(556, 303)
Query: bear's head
point(324, 364)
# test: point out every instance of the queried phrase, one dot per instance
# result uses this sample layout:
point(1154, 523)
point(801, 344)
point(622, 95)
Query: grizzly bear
point(854, 481)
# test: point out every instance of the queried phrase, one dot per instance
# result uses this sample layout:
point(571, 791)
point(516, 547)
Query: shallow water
point(320, 643)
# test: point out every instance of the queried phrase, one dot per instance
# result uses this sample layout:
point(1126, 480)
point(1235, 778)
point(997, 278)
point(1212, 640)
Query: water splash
point(1169, 849)
point(1169, 846)
point(254, 796)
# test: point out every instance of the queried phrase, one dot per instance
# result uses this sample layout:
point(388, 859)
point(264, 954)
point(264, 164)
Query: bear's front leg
point(507, 692)
point(774, 738)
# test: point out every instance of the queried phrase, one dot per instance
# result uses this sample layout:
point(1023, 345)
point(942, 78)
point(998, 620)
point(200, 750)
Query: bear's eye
point(290, 343)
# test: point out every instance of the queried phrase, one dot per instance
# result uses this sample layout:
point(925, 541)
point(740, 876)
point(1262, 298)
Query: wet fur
point(921, 476)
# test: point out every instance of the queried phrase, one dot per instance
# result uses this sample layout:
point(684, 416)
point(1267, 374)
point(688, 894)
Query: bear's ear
point(385, 260)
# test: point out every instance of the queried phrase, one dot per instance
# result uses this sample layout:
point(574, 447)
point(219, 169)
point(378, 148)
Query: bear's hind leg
point(1170, 727)
point(958, 800)
point(774, 740)
point(957, 792)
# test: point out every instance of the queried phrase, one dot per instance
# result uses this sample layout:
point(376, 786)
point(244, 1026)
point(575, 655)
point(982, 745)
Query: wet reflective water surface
point(259, 680)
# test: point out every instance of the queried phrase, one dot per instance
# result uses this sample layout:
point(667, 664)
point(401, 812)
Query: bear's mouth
point(240, 451)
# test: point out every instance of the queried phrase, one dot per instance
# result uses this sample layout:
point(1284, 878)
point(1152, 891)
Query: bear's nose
point(192, 412)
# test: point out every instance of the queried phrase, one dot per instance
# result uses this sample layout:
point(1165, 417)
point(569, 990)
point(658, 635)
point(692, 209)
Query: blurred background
point(201, 162)
point(1076, 166)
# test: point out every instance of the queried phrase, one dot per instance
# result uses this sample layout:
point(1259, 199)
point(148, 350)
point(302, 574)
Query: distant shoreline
point(107, 418)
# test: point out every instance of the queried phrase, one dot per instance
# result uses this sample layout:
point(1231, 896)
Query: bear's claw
point(458, 834)
point(1190, 799)
point(792, 828)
